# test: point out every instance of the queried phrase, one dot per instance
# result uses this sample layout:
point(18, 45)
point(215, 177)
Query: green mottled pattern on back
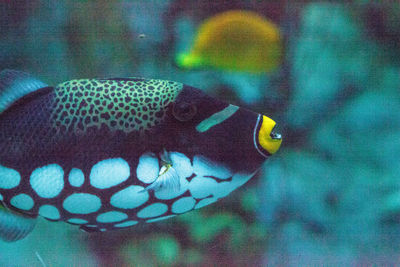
point(121, 104)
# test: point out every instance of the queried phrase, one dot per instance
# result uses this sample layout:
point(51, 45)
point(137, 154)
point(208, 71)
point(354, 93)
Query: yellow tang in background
point(235, 40)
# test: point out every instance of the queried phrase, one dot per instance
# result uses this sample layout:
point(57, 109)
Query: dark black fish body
point(111, 153)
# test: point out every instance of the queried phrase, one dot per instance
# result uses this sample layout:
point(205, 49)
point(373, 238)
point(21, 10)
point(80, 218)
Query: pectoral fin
point(13, 226)
point(167, 178)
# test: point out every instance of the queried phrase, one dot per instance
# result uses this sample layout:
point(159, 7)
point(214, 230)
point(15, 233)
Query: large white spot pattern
point(49, 212)
point(182, 164)
point(148, 168)
point(201, 187)
point(204, 167)
point(82, 203)
point(225, 188)
point(111, 216)
point(10, 178)
point(153, 210)
point(109, 172)
point(48, 181)
point(130, 197)
point(205, 202)
point(22, 202)
point(183, 205)
point(76, 177)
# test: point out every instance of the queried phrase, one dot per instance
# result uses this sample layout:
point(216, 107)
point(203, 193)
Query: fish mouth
point(274, 134)
point(267, 138)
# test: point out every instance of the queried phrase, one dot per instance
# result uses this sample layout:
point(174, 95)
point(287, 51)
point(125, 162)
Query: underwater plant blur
point(329, 196)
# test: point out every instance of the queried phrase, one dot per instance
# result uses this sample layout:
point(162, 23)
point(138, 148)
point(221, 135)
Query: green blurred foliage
point(156, 249)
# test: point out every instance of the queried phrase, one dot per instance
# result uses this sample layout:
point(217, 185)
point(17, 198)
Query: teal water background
point(329, 197)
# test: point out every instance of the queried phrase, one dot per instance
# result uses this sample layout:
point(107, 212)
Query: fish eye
point(184, 111)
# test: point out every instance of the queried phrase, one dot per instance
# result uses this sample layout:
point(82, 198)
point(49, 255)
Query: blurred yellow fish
point(235, 40)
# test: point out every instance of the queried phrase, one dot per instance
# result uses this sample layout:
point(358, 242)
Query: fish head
point(222, 134)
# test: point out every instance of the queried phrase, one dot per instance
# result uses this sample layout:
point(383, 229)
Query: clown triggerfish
point(110, 153)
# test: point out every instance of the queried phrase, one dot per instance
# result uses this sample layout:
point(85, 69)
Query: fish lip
point(274, 134)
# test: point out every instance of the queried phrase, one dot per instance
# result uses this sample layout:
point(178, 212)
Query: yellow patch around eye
point(264, 136)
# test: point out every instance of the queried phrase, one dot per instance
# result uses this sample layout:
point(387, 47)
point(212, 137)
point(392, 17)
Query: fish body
point(235, 40)
point(111, 153)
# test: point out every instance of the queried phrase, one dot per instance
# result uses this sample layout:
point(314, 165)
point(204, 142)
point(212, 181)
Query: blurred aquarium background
point(330, 196)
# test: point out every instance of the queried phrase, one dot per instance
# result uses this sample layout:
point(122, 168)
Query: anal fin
point(13, 226)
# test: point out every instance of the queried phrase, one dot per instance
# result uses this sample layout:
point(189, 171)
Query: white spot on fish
point(205, 202)
point(147, 169)
point(201, 187)
point(130, 197)
point(181, 164)
point(111, 216)
point(10, 178)
point(126, 224)
point(77, 221)
point(82, 203)
point(1, 197)
point(160, 218)
point(153, 210)
point(22, 202)
point(225, 188)
point(204, 167)
point(109, 172)
point(50, 212)
point(183, 205)
point(76, 177)
point(48, 181)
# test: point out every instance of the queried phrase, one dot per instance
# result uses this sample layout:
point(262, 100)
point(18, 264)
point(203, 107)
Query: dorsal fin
point(15, 84)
